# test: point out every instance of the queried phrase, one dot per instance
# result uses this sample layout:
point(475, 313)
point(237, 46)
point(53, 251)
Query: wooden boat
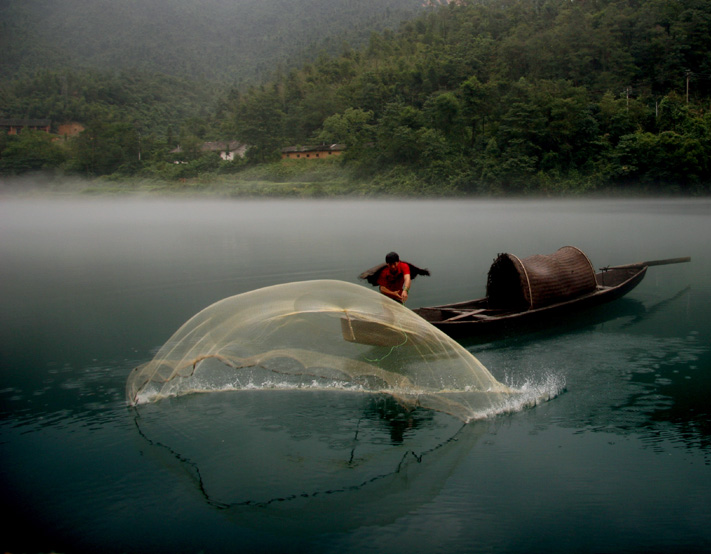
point(529, 292)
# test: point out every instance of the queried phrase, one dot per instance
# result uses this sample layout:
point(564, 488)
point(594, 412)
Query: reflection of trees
point(627, 369)
point(683, 401)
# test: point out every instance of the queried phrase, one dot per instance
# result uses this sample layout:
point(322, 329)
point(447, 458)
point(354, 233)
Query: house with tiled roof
point(228, 150)
point(312, 152)
point(14, 126)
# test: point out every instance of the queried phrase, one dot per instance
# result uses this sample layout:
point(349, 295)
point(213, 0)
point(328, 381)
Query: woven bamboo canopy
point(540, 280)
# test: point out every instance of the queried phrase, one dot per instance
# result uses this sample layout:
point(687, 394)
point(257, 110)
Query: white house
point(228, 149)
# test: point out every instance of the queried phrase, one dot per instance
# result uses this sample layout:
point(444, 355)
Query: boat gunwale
point(631, 277)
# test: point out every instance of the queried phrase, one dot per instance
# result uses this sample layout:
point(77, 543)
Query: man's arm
point(406, 287)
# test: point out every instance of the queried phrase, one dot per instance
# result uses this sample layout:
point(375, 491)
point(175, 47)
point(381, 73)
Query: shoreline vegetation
point(473, 98)
point(309, 179)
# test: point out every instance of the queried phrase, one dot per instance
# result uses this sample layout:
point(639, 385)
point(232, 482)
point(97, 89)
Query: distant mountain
point(219, 40)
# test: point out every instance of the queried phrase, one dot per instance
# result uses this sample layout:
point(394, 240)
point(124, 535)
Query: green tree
point(354, 128)
point(30, 151)
point(397, 135)
point(260, 122)
point(104, 148)
point(445, 113)
point(678, 155)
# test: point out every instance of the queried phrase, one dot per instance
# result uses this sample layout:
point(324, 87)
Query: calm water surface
point(620, 462)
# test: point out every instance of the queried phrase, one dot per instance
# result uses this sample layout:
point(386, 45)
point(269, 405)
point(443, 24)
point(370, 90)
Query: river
point(620, 461)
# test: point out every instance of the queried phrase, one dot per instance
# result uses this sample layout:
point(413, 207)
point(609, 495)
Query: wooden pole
point(652, 262)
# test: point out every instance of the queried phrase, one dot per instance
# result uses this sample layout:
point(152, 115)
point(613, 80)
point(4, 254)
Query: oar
point(651, 262)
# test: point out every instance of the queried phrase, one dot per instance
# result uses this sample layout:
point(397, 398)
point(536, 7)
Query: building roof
point(222, 146)
point(25, 122)
point(319, 148)
point(218, 146)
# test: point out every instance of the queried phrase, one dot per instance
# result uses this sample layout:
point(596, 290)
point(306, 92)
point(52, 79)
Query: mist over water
point(92, 288)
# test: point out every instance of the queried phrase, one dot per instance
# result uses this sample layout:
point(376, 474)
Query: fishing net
point(322, 335)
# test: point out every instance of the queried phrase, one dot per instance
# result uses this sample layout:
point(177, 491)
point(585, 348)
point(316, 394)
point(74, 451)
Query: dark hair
point(392, 258)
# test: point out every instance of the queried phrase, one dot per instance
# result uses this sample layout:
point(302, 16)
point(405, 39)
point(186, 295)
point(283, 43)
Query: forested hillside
point(478, 96)
point(512, 96)
point(234, 41)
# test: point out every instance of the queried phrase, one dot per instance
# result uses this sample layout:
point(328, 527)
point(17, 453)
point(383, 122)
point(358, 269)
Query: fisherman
point(394, 280)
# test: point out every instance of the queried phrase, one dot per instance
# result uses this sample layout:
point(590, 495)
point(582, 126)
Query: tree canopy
point(516, 95)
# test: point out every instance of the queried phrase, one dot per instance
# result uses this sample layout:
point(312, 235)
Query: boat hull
point(473, 318)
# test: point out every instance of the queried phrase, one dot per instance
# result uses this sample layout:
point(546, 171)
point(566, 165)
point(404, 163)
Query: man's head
point(392, 260)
